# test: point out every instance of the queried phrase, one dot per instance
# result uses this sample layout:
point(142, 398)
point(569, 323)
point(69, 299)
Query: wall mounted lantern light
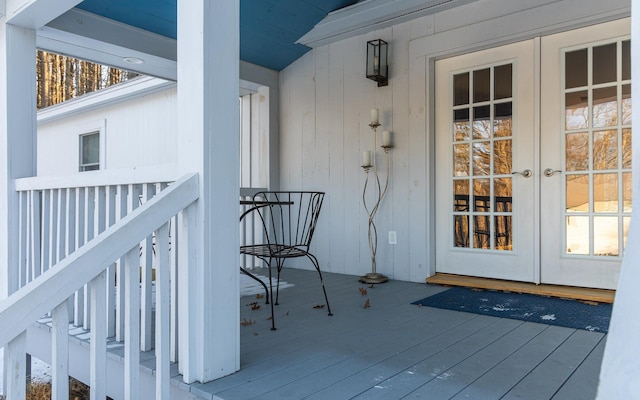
point(377, 66)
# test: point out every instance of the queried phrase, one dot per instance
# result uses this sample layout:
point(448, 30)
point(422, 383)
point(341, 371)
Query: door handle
point(549, 172)
point(526, 173)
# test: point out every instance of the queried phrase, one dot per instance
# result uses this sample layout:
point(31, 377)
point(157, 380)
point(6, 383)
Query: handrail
point(29, 303)
point(124, 176)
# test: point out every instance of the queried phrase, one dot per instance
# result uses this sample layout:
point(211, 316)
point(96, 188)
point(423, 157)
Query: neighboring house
point(512, 158)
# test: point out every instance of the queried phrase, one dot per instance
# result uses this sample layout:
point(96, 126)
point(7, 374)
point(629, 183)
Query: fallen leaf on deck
point(319, 306)
point(246, 322)
point(363, 291)
point(367, 304)
point(259, 296)
point(269, 318)
point(255, 306)
point(371, 286)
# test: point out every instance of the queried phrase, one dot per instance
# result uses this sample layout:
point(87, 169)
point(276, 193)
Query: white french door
point(585, 208)
point(533, 159)
point(485, 105)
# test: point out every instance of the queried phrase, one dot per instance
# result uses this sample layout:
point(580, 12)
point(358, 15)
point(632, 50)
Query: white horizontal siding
point(139, 132)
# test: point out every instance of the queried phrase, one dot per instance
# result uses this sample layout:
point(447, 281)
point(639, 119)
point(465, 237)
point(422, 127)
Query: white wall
point(326, 102)
point(138, 132)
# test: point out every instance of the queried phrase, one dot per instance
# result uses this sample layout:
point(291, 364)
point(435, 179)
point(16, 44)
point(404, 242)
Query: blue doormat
point(524, 307)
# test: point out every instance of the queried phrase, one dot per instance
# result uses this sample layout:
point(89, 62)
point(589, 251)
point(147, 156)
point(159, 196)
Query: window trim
point(98, 127)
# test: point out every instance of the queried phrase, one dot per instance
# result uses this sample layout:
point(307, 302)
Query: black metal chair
point(289, 221)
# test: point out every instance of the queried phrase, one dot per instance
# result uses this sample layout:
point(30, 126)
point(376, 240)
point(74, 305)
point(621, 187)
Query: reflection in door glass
point(576, 113)
point(605, 107)
point(482, 143)
point(577, 151)
point(577, 229)
point(597, 161)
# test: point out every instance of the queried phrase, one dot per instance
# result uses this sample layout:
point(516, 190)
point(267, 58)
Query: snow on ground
point(40, 371)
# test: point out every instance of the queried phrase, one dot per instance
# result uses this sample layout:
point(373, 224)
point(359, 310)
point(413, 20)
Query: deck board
point(394, 350)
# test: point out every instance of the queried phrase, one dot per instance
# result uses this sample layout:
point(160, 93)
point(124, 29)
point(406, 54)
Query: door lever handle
point(526, 173)
point(550, 171)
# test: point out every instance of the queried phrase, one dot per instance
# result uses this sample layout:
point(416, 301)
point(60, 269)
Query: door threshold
point(567, 292)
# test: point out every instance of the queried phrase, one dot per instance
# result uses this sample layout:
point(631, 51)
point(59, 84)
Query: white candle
point(376, 64)
point(366, 158)
point(386, 138)
point(374, 116)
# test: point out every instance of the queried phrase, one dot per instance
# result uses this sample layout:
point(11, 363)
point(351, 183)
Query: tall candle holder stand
point(374, 276)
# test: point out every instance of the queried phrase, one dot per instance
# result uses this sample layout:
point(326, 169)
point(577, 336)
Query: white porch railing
point(93, 241)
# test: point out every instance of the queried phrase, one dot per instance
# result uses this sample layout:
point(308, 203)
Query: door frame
point(471, 35)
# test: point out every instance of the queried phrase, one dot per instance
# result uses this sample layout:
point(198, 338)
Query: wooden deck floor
point(395, 350)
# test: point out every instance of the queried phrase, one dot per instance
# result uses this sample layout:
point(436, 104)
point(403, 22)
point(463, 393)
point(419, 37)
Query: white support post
point(208, 112)
point(620, 367)
point(17, 138)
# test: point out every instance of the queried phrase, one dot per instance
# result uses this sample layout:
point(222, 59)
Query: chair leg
point(273, 321)
point(252, 276)
point(280, 264)
point(314, 260)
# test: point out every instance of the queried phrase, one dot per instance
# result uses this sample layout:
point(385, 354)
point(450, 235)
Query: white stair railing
point(110, 238)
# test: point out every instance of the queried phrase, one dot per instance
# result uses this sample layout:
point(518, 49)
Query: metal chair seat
point(272, 250)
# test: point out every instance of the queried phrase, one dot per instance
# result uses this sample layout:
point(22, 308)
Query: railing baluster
point(71, 234)
point(35, 226)
point(89, 232)
point(46, 224)
point(122, 210)
point(61, 248)
point(53, 228)
point(132, 324)
point(15, 366)
point(111, 271)
point(98, 342)
point(23, 239)
point(78, 315)
point(146, 260)
point(174, 289)
point(60, 352)
point(162, 313)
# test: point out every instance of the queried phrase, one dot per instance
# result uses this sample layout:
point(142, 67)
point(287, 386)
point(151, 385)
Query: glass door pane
point(482, 158)
point(597, 130)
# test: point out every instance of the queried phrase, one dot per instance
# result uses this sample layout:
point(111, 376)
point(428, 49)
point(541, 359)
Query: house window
point(90, 151)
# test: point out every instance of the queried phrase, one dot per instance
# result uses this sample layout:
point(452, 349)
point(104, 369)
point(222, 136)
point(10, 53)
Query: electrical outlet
point(393, 239)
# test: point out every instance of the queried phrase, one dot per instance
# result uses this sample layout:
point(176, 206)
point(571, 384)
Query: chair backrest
point(289, 217)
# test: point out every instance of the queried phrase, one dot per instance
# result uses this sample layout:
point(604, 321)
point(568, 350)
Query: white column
point(620, 368)
point(17, 138)
point(208, 143)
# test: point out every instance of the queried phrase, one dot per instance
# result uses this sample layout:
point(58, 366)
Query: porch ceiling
point(269, 29)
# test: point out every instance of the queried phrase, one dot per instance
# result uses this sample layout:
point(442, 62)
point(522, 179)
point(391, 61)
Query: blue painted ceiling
point(268, 28)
